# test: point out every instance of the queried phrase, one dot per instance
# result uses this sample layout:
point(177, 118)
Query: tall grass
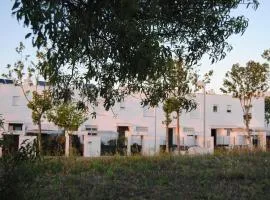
point(225, 175)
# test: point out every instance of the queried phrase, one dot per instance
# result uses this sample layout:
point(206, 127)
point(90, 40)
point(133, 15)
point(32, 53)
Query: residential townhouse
point(220, 123)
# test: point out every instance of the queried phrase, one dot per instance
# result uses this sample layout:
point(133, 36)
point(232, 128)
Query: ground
point(222, 176)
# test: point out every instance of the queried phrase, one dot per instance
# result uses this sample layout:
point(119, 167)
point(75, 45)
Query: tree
point(69, 117)
point(246, 84)
point(167, 108)
point(41, 101)
point(267, 110)
point(178, 85)
point(113, 48)
point(40, 104)
point(2, 121)
point(266, 55)
point(181, 85)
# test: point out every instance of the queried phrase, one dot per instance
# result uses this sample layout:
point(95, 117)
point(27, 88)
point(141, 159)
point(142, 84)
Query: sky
point(247, 47)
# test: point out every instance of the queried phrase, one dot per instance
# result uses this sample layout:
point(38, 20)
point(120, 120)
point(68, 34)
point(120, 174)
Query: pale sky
point(247, 47)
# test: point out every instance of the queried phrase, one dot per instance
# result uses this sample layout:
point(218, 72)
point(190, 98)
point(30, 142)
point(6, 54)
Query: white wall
point(92, 146)
point(133, 114)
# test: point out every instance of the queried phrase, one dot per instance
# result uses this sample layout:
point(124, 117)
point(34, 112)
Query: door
point(268, 143)
point(91, 149)
point(170, 138)
point(121, 146)
point(214, 135)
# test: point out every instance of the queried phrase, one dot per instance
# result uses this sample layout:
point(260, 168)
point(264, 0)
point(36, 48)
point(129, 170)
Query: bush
point(17, 172)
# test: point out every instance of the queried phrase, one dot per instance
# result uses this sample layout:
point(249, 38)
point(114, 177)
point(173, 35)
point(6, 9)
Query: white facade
point(224, 119)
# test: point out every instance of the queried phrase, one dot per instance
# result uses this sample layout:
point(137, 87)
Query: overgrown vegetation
point(247, 84)
point(123, 46)
point(234, 175)
point(18, 171)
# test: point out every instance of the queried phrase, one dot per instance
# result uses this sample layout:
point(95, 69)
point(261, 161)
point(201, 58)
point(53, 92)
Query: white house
point(221, 125)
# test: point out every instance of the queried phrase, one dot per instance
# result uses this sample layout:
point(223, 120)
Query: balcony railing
point(231, 140)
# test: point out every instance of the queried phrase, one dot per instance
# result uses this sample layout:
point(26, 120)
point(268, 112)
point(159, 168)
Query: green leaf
point(28, 35)
point(15, 5)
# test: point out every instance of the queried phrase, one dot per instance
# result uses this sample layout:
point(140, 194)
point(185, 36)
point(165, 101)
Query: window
point(215, 108)
point(92, 129)
point(189, 131)
point(229, 108)
point(15, 127)
point(141, 129)
point(15, 100)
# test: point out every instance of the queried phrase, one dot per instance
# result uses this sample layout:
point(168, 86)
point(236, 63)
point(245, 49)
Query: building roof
point(5, 81)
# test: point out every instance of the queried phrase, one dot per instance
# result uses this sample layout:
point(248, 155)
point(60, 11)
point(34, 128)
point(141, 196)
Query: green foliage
point(17, 172)
point(266, 55)
point(22, 73)
point(53, 145)
point(168, 109)
point(123, 45)
point(67, 116)
point(2, 121)
point(246, 84)
point(241, 175)
point(267, 109)
point(40, 104)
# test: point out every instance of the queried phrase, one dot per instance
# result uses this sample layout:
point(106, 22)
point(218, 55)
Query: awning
point(254, 129)
point(226, 126)
point(35, 131)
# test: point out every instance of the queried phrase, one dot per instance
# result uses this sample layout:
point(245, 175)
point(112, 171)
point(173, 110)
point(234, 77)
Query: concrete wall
point(130, 113)
point(92, 146)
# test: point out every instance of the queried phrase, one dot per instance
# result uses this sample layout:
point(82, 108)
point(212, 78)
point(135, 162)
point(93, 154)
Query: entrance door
point(91, 149)
point(255, 141)
point(214, 135)
point(170, 138)
point(268, 143)
point(121, 147)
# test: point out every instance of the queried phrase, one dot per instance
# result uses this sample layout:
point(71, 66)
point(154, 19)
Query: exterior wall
point(91, 146)
point(130, 113)
point(17, 113)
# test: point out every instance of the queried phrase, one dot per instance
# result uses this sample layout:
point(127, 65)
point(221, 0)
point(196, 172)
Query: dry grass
point(234, 175)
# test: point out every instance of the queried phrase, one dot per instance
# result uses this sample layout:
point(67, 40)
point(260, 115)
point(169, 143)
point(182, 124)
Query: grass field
point(223, 176)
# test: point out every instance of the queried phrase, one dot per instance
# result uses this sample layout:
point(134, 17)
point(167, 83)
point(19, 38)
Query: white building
point(223, 121)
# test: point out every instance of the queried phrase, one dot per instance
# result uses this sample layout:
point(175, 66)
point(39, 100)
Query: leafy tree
point(181, 85)
point(69, 117)
point(113, 48)
point(267, 110)
point(167, 108)
point(178, 85)
point(2, 121)
point(40, 104)
point(41, 101)
point(266, 55)
point(246, 84)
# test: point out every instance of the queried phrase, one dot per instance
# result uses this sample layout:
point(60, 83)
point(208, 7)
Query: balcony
point(238, 140)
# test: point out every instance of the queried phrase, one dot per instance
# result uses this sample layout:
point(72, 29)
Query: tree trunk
point(167, 138)
point(66, 143)
point(249, 134)
point(247, 122)
point(39, 152)
point(178, 131)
